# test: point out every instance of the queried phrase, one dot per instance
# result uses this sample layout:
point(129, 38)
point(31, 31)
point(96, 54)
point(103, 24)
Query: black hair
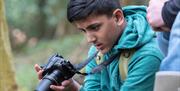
point(81, 9)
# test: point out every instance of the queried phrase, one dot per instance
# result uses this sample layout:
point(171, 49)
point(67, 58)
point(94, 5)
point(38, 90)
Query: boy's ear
point(118, 16)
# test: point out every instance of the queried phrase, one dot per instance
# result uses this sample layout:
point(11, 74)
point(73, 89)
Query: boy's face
point(101, 31)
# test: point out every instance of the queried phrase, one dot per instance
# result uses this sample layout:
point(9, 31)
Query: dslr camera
point(55, 71)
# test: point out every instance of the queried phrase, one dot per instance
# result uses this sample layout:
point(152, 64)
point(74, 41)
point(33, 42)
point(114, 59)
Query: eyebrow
point(92, 25)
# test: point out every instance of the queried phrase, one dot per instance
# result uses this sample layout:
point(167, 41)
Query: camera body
point(55, 71)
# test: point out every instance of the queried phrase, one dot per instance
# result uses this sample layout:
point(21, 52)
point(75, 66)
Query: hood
point(137, 31)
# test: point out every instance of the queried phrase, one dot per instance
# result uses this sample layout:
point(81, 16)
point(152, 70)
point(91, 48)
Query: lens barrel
point(52, 79)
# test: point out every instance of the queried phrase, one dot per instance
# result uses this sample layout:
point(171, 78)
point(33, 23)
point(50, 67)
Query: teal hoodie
point(142, 65)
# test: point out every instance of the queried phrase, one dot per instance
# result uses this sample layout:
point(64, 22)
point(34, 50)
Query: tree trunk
point(7, 79)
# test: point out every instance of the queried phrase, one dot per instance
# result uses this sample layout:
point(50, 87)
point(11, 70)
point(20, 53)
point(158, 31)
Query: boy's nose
point(91, 38)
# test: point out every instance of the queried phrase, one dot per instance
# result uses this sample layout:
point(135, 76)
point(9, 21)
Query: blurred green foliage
point(55, 11)
point(20, 14)
point(28, 14)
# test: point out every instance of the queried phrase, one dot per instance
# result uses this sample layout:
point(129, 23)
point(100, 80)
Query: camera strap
point(97, 68)
point(84, 63)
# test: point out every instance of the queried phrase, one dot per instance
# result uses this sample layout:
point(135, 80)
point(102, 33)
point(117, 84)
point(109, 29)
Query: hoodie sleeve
point(141, 74)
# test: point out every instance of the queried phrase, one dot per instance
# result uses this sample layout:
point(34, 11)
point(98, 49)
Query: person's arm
point(171, 62)
point(170, 11)
point(141, 74)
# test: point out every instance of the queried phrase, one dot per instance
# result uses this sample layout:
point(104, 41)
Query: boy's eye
point(94, 27)
point(82, 30)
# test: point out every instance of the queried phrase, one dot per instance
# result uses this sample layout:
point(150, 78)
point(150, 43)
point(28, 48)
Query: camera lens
point(52, 79)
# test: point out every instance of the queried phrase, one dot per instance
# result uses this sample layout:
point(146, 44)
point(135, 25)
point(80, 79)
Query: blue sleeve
point(172, 60)
point(163, 41)
point(141, 74)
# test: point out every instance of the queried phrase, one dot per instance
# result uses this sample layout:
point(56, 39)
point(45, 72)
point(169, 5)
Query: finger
point(37, 67)
point(40, 74)
point(57, 88)
point(39, 71)
point(65, 83)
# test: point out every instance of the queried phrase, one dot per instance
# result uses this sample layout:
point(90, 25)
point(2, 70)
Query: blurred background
point(39, 29)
